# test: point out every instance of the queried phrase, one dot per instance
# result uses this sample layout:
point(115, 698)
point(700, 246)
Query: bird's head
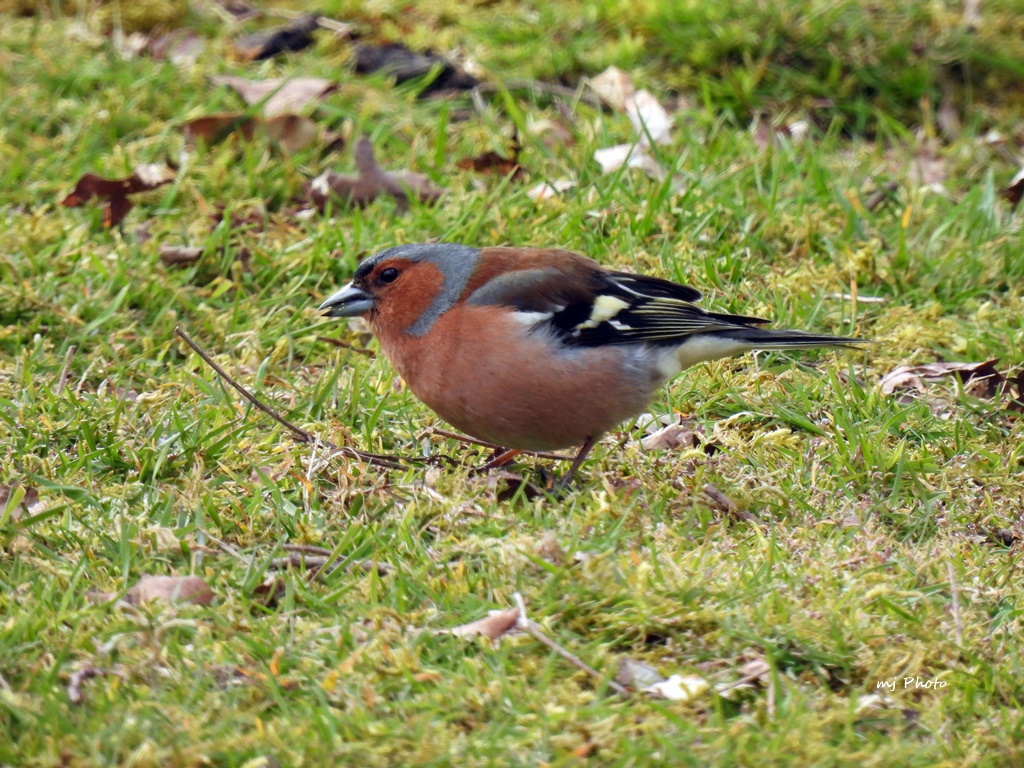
point(407, 287)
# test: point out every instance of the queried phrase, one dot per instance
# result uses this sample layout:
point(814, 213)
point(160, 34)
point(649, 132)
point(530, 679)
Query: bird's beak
point(349, 301)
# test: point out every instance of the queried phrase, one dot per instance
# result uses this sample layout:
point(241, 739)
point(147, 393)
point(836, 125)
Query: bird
point(537, 349)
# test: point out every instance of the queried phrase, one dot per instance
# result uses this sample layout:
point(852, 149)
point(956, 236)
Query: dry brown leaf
point(515, 483)
point(282, 95)
point(16, 500)
point(723, 503)
point(630, 155)
point(613, 87)
point(751, 673)
point(948, 119)
point(78, 677)
point(911, 379)
point(679, 688)
point(670, 436)
point(403, 64)
point(171, 589)
point(290, 38)
point(650, 120)
point(370, 183)
point(766, 132)
point(545, 191)
point(184, 256)
point(972, 14)
point(492, 162)
point(1015, 190)
point(636, 675)
point(493, 626)
point(291, 132)
point(928, 168)
point(145, 178)
point(179, 255)
point(182, 47)
point(550, 550)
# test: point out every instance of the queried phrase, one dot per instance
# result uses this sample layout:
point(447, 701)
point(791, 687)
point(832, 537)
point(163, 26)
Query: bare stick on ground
point(389, 462)
point(533, 629)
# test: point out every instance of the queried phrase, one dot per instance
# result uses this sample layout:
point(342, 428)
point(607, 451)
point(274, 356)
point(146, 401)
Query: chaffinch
point(539, 348)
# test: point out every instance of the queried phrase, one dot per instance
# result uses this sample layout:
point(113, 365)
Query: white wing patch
point(530, 319)
point(605, 308)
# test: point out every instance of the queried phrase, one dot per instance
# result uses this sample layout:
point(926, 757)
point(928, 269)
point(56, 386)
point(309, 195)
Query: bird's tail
point(765, 338)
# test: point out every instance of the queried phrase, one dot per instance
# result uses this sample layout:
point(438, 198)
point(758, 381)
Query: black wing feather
point(628, 309)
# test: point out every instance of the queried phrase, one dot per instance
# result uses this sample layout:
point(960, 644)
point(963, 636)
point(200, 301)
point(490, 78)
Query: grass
point(878, 514)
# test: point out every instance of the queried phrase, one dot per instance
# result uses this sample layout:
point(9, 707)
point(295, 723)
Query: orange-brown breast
point(482, 372)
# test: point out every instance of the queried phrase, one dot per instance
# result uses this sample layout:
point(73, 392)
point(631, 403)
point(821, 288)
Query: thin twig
point(494, 446)
point(306, 549)
point(533, 628)
point(880, 195)
point(958, 620)
point(63, 380)
point(389, 462)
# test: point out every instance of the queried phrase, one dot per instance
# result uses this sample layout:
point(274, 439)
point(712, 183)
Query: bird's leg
point(585, 449)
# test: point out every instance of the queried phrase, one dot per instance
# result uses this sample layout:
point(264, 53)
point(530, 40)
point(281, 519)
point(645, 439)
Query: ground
point(856, 546)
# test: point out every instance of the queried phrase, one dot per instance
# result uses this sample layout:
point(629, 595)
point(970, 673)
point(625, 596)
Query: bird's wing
point(587, 305)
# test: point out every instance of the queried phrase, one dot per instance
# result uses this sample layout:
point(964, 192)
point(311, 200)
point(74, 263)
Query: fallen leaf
point(291, 132)
point(1015, 190)
point(145, 178)
point(554, 133)
point(16, 500)
point(183, 255)
point(78, 677)
point(679, 688)
point(545, 191)
point(722, 502)
point(403, 64)
point(182, 47)
point(670, 436)
point(492, 162)
point(972, 14)
point(493, 626)
point(928, 169)
point(281, 95)
point(649, 118)
point(550, 550)
point(651, 124)
point(754, 671)
point(179, 255)
point(632, 156)
point(239, 9)
point(636, 674)
point(911, 379)
point(270, 592)
point(948, 118)
point(766, 132)
point(290, 38)
point(613, 87)
point(515, 484)
point(171, 589)
point(370, 183)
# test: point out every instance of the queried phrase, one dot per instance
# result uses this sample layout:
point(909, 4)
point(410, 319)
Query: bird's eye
point(389, 275)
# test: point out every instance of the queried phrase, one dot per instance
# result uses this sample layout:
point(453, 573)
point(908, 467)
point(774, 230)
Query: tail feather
point(729, 342)
point(766, 338)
